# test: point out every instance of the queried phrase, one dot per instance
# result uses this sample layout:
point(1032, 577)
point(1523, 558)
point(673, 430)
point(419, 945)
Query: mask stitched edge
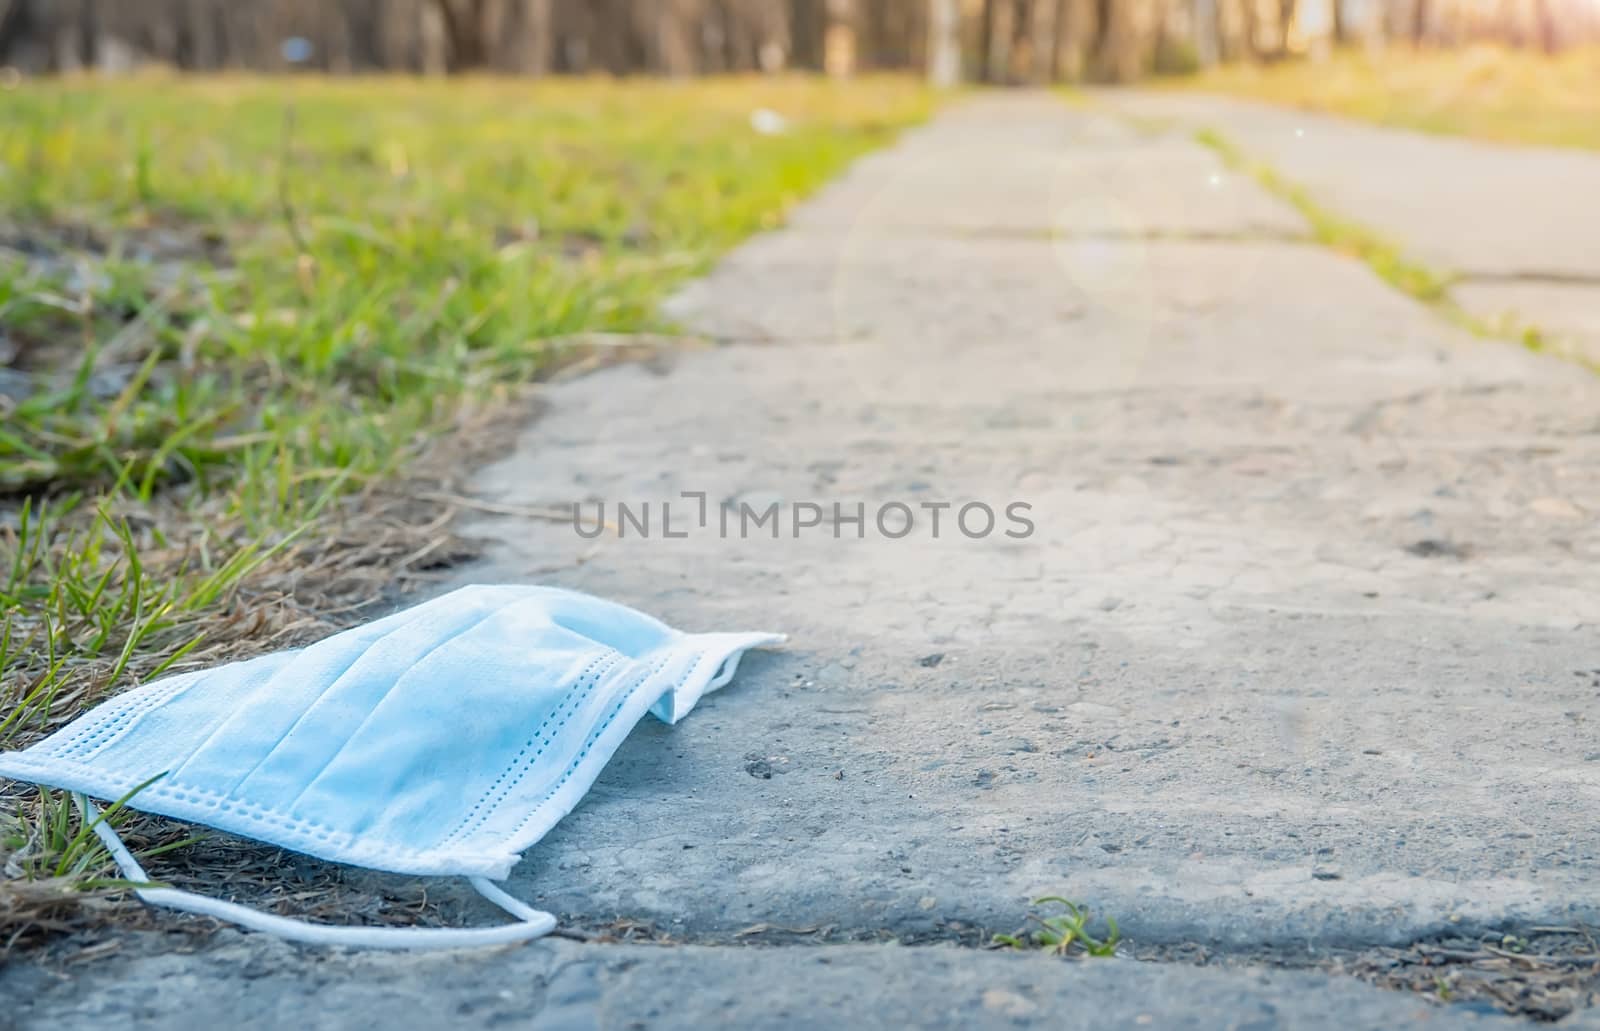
point(287, 833)
point(636, 703)
point(481, 810)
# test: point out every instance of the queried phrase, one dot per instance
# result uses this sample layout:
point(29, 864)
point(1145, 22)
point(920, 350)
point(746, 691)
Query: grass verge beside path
point(1506, 95)
point(239, 316)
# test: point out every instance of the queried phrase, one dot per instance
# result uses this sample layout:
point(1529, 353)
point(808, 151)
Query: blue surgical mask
point(442, 740)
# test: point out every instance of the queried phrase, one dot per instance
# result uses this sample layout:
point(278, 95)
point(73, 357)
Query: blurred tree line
point(1012, 41)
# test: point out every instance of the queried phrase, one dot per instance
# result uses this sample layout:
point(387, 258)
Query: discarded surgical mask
point(444, 739)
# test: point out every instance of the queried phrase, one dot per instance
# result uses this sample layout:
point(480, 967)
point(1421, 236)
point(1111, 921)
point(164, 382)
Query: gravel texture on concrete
point(559, 986)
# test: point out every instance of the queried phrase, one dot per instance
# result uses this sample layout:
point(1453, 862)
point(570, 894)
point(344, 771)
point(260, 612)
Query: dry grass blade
point(33, 909)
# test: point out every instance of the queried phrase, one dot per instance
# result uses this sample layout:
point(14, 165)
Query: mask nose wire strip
point(534, 923)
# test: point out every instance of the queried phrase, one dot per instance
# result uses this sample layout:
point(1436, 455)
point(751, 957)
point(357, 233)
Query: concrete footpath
point(1297, 650)
point(1517, 228)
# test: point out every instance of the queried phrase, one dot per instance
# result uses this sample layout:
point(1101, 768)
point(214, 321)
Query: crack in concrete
point(1537, 971)
point(1147, 235)
point(1544, 276)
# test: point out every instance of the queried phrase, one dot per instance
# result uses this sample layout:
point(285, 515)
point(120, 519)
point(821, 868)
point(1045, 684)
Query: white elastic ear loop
point(535, 924)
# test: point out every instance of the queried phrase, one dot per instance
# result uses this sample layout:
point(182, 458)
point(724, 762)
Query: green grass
point(1065, 932)
point(1513, 96)
point(225, 304)
point(389, 244)
point(57, 842)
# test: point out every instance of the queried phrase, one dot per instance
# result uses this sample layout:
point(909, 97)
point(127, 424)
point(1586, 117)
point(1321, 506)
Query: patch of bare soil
point(160, 239)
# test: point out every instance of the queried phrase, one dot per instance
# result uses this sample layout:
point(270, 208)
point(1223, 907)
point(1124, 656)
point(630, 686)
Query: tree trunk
point(1205, 27)
point(944, 43)
point(433, 39)
point(1002, 30)
point(523, 41)
point(1041, 46)
point(771, 34)
point(806, 25)
point(839, 40)
point(1252, 28)
point(1286, 16)
point(463, 44)
point(1075, 31)
point(1549, 41)
point(1375, 33)
point(1110, 39)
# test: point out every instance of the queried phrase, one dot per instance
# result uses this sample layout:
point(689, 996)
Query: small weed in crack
point(1065, 932)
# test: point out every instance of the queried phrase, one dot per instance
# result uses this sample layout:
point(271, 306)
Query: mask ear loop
point(534, 923)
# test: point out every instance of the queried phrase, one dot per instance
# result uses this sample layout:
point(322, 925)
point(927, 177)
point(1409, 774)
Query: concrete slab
point(1296, 650)
point(1016, 169)
point(1567, 315)
point(1463, 206)
point(556, 985)
point(1513, 226)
